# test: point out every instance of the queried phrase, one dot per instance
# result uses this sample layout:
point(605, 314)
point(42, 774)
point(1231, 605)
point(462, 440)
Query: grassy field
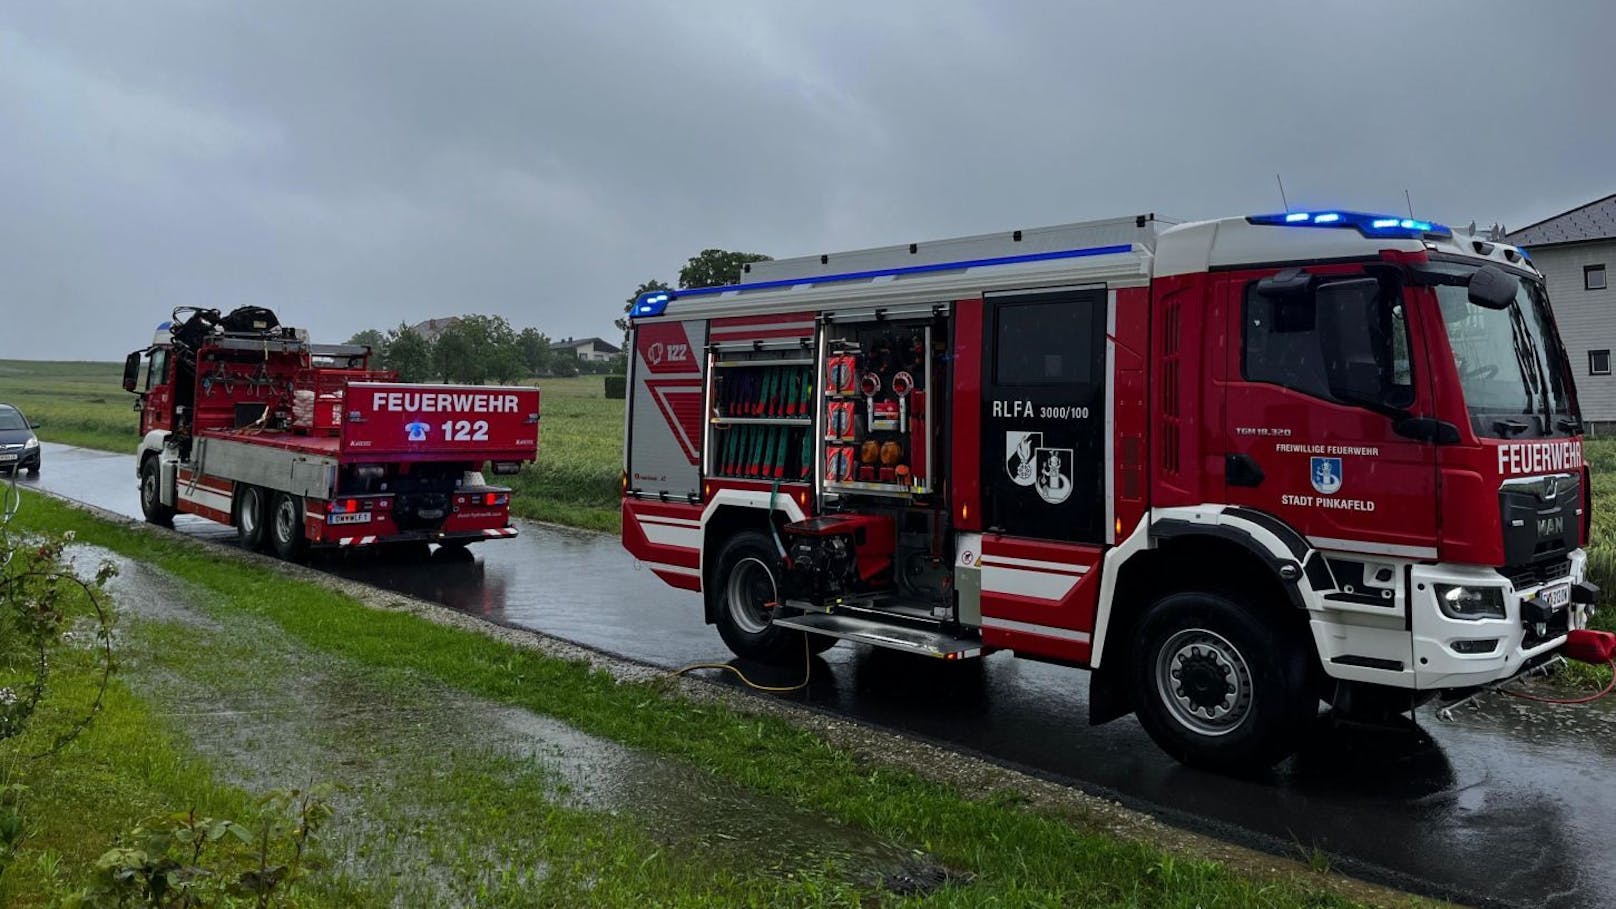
point(574, 482)
point(75, 403)
point(289, 671)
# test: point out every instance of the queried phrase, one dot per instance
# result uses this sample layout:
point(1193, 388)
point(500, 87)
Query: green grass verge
point(1021, 857)
point(125, 767)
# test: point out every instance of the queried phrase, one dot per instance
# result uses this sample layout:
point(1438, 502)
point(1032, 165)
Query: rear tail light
point(350, 506)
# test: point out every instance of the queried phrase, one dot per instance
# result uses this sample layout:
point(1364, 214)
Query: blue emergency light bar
point(653, 302)
point(1369, 225)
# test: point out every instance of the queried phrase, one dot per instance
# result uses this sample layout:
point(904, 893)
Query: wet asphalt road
point(1509, 803)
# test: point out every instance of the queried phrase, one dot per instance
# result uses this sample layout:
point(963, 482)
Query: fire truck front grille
point(1527, 576)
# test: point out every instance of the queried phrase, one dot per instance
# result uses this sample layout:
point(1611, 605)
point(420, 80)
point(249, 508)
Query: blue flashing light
point(1369, 225)
point(653, 303)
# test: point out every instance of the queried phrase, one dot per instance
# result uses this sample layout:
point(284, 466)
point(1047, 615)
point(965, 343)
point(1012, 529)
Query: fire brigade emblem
point(417, 431)
point(1020, 459)
point(1326, 473)
point(1054, 474)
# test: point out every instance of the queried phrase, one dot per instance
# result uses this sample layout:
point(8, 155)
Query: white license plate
point(1556, 596)
point(358, 517)
point(7, 457)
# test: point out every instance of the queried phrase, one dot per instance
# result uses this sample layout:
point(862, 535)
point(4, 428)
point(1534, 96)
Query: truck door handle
point(1241, 470)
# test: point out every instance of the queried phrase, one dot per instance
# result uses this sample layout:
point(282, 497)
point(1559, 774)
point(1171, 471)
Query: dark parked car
point(19, 447)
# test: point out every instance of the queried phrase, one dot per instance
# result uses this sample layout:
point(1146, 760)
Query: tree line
point(473, 349)
point(478, 349)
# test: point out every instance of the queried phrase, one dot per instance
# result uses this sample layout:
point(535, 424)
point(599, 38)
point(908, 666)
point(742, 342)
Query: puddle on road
point(269, 713)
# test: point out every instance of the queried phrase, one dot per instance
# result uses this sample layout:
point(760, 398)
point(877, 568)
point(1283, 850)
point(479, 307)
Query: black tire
point(746, 579)
point(33, 473)
point(252, 513)
point(286, 527)
point(1221, 685)
point(151, 504)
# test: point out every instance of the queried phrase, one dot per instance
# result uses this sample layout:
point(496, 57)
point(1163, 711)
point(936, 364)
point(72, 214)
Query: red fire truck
point(244, 422)
point(1234, 467)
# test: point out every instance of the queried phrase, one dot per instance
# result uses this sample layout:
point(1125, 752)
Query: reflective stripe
point(1386, 549)
point(1048, 631)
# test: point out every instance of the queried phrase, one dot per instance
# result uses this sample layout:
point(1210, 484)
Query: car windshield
point(1511, 365)
point(11, 419)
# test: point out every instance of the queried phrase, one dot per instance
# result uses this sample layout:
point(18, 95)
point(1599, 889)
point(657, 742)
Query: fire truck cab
point(1234, 467)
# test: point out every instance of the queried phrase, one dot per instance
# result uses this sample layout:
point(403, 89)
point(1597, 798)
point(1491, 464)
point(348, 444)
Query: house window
point(1598, 362)
point(1593, 277)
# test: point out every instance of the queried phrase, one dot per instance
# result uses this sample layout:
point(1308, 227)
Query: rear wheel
point(151, 500)
point(746, 591)
point(286, 527)
point(1218, 685)
point(252, 511)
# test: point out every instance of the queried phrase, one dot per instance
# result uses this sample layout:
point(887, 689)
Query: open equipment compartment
point(760, 415)
point(878, 431)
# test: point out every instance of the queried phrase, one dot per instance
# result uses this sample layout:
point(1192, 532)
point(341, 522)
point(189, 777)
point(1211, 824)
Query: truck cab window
point(1285, 342)
point(157, 369)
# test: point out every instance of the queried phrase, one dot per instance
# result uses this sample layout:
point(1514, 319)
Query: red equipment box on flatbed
point(391, 421)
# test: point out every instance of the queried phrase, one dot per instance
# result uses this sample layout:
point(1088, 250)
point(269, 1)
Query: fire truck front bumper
point(1475, 626)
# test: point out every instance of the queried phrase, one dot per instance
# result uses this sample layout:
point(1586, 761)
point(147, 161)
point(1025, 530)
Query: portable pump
point(834, 556)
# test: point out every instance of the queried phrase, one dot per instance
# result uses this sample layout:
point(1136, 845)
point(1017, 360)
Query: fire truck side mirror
point(131, 372)
point(1493, 288)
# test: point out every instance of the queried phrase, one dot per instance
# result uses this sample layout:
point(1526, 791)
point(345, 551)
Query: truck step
point(926, 642)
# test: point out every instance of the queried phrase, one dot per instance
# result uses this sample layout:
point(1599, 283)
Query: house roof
point(432, 328)
point(575, 343)
point(1594, 221)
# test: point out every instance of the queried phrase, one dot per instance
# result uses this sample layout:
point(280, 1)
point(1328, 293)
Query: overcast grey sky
point(355, 164)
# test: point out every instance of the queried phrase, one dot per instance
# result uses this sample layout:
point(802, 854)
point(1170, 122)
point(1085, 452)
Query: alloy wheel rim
point(751, 587)
point(1204, 682)
point(284, 520)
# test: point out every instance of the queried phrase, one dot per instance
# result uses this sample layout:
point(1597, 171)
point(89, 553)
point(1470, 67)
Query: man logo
point(1326, 475)
point(1551, 527)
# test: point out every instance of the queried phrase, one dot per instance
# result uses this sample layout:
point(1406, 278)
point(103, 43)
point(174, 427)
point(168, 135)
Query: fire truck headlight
point(1470, 603)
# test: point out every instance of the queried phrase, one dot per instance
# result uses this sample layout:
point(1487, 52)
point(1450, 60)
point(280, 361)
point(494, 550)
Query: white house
point(1576, 251)
point(592, 349)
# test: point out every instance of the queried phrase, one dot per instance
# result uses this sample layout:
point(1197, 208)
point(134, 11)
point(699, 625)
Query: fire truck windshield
point(1511, 365)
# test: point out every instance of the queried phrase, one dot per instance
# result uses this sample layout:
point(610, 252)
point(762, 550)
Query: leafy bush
point(616, 387)
point(188, 862)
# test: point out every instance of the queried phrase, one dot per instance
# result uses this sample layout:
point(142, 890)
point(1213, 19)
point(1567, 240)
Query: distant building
point(431, 329)
point(592, 349)
point(1576, 251)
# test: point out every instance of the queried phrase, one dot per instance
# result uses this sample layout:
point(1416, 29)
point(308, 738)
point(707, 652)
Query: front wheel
point(151, 499)
point(1219, 685)
point(746, 594)
point(286, 527)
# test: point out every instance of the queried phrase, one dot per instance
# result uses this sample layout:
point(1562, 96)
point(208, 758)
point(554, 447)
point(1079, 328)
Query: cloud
point(365, 163)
